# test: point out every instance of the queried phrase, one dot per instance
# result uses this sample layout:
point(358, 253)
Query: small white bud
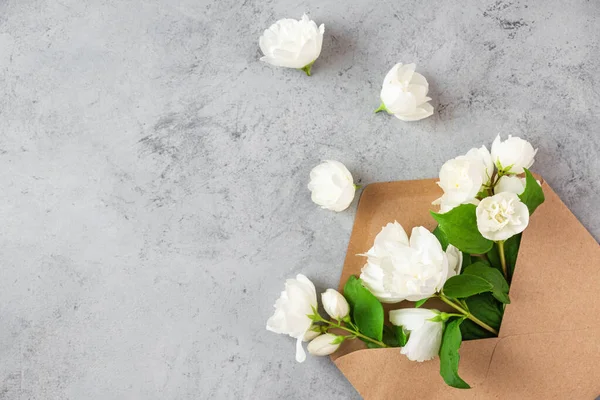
point(335, 304)
point(325, 344)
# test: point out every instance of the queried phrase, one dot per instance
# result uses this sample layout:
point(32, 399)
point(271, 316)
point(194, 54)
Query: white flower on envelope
point(404, 93)
point(501, 216)
point(401, 269)
point(425, 335)
point(292, 309)
point(512, 155)
point(463, 177)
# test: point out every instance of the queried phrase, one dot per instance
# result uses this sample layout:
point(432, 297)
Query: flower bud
point(310, 335)
point(335, 304)
point(325, 344)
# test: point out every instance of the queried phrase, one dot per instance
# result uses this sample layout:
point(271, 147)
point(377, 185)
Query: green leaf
point(402, 336)
point(467, 260)
point(393, 336)
point(494, 277)
point(389, 336)
point(533, 195)
point(459, 225)
point(461, 286)
point(421, 302)
point(449, 356)
point(367, 311)
point(486, 308)
point(494, 257)
point(437, 232)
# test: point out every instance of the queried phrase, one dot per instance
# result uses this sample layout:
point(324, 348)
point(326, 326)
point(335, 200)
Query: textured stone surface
point(154, 172)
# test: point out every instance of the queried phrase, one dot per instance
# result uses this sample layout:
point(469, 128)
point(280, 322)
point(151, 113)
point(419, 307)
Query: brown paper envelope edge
point(556, 365)
point(552, 294)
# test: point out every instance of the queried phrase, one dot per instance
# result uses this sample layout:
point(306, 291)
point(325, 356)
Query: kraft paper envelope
point(549, 341)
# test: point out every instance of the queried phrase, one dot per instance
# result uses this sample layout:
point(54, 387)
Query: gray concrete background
point(153, 172)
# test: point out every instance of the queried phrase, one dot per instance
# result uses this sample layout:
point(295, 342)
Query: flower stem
point(380, 108)
point(468, 314)
point(307, 68)
point(502, 258)
point(355, 333)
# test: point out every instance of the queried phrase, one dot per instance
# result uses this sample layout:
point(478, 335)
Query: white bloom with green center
point(502, 216)
point(512, 155)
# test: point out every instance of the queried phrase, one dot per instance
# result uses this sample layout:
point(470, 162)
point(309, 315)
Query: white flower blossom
point(292, 309)
point(501, 216)
point(404, 93)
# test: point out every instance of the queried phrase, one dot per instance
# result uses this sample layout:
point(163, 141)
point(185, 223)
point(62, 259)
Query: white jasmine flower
point(325, 344)
point(292, 44)
point(501, 216)
point(335, 304)
point(425, 336)
point(463, 177)
point(404, 94)
point(332, 185)
point(512, 155)
point(292, 309)
point(401, 269)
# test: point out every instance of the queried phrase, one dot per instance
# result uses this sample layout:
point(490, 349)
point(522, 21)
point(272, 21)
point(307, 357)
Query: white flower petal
point(424, 343)
point(411, 318)
point(423, 111)
point(509, 183)
point(300, 354)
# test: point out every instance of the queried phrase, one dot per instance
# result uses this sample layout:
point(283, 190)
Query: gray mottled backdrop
point(153, 172)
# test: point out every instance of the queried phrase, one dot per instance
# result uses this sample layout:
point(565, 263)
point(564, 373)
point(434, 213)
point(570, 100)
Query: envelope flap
point(555, 286)
point(539, 365)
point(408, 202)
